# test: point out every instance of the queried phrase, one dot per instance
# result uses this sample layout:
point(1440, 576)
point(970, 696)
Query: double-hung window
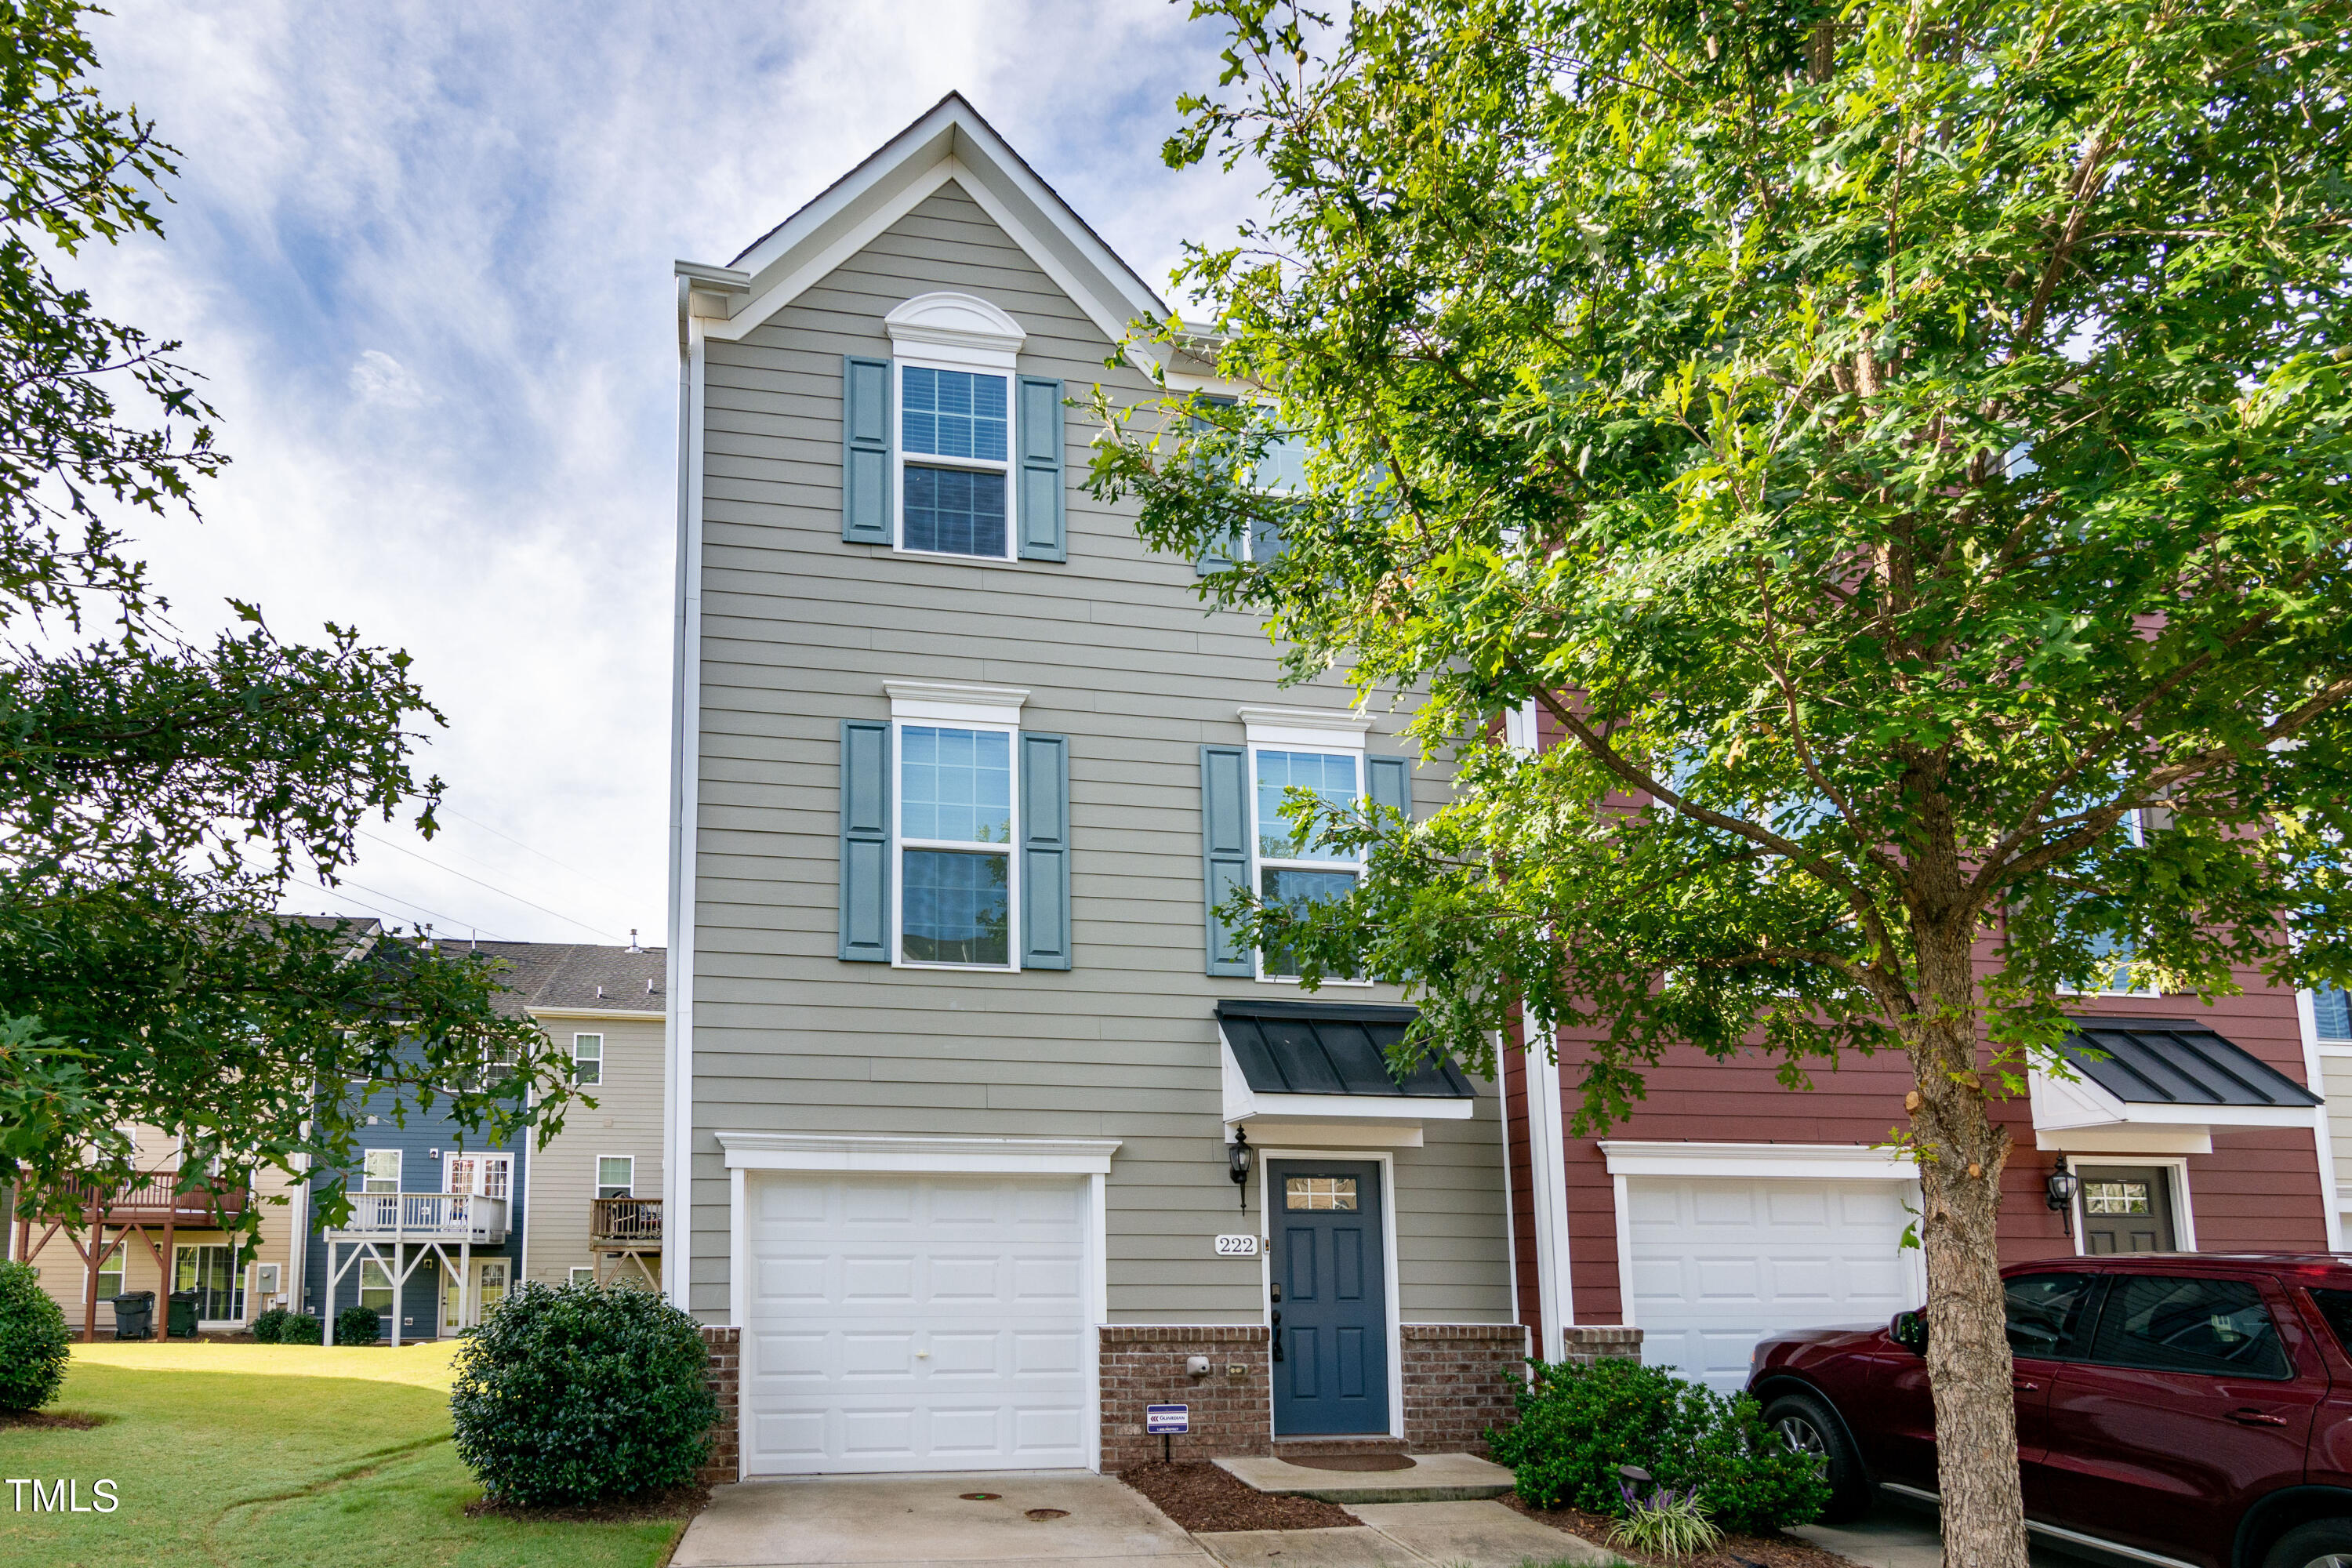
point(380, 1171)
point(955, 833)
point(588, 1059)
point(1248, 841)
point(2115, 954)
point(616, 1174)
point(948, 449)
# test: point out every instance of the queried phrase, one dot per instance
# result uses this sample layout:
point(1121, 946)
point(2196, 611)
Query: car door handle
point(2024, 1386)
point(2247, 1415)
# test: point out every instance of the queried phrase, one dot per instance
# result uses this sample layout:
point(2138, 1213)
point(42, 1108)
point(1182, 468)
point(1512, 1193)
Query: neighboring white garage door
point(1719, 1263)
point(914, 1322)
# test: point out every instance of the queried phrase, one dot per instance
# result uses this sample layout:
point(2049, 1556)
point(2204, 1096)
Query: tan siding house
point(960, 1058)
point(608, 1154)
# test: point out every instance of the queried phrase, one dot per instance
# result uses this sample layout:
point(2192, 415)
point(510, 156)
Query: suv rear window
point(2044, 1312)
point(2170, 1323)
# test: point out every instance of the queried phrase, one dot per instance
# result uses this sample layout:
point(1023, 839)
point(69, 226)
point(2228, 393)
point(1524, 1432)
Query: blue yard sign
point(1164, 1420)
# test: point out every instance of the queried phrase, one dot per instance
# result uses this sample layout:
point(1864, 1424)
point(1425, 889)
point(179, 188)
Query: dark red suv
point(2182, 1407)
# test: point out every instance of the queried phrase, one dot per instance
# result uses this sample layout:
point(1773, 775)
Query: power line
point(337, 892)
point(451, 872)
point(543, 854)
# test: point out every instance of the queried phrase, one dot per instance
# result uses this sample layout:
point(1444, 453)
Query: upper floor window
point(380, 1171)
point(588, 1059)
point(616, 1174)
point(1290, 874)
point(955, 833)
point(2332, 1008)
point(948, 449)
point(2119, 973)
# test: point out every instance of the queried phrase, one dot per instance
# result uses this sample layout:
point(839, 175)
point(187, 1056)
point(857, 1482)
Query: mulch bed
point(1774, 1550)
point(73, 1420)
point(669, 1502)
point(1199, 1495)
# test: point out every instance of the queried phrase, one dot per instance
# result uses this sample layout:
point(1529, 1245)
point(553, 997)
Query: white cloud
point(377, 378)
point(466, 215)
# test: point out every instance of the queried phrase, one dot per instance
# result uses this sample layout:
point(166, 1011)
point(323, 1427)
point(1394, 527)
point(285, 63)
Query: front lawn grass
point(275, 1456)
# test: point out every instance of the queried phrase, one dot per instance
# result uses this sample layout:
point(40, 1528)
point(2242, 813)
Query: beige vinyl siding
point(63, 1275)
point(799, 632)
point(2336, 1075)
point(626, 1120)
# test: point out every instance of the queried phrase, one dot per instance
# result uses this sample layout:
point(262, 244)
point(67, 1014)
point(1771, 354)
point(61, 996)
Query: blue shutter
point(1224, 851)
point(1390, 784)
point(1044, 526)
point(866, 451)
point(1044, 851)
point(865, 841)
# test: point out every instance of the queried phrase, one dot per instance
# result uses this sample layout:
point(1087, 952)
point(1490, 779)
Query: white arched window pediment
point(954, 329)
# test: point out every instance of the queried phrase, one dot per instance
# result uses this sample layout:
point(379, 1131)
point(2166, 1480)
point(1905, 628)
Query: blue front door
point(1332, 1343)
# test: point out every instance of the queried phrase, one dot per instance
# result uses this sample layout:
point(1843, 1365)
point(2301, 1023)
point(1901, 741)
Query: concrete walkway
point(1413, 1535)
point(924, 1521)
point(1900, 1533)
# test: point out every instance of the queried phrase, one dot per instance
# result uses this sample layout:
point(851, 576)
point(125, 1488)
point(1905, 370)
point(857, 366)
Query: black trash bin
point(135, 1315)
point(181, 1323)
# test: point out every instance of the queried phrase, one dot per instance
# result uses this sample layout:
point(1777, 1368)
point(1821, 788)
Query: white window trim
point(947, 331)
point(599, 1039)
point(597, 1171)
point(1319, 732)
point(573, 1277)
point(1007, 722)
point(2135, 827)
point(947, 702)
point(398, 1172)
point(481, 1163)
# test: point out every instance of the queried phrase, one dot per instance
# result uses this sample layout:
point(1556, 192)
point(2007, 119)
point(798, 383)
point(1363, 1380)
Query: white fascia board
point(604, 1015)
point(951, 143)
point(1297, 1134)
point(2124, 1139)
point(2061, 1106)
point(749, 1150)
point(1757, 1161)
point(943, 703)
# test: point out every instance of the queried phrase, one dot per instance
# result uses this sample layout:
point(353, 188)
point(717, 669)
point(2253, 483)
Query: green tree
point(1902, 450)
point(157, 793)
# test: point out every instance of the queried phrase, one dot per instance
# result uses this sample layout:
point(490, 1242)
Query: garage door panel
point(941, 1327)
point(1818, 1253)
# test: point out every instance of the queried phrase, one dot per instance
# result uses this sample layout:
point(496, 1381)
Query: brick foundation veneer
point(1142, 1365)
point(1600, 1341)
point(1460, 1379)
point(725, 1347)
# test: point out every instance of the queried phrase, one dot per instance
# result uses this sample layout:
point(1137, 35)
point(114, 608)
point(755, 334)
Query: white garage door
point(1717, 1264)
point(902, 1323)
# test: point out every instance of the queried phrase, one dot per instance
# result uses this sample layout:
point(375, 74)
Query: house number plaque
point(1237, 1247)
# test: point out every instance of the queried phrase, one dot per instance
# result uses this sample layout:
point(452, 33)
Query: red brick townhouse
point(1727, 1207)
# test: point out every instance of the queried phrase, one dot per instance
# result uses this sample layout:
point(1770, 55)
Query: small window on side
point(584, 1276)
point(2171, 1323)
point(2045, 1313)
point(588, 1059)
point(616, 1174)
point(2336, 1306)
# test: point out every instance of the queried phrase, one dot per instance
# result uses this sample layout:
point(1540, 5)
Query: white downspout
point(686, 723)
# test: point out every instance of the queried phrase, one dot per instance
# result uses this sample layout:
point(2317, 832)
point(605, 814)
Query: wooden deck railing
point(151, 1201)
point(634, 1221)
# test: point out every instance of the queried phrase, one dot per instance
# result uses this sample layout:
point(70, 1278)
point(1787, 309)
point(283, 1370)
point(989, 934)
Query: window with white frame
point(1280, 472)
point(2116, 954)
point(588, 1059)
point(956, 832)
point(375, 1286)
point(110, 1273)
point(616, 1175)
point(482, 1175)
point(951, 372)
point(1323, 756)
point(583, 1276)
point(380, 1171)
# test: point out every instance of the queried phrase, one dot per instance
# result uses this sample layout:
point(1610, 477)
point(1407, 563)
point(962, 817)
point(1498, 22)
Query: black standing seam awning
point(1309, 1047)
point(2172, 1061)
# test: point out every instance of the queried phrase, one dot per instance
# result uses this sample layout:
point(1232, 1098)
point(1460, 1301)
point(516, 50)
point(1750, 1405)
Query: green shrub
point(358, 1326)
point(577, 1394)
point(1579, 1423)
point(34, 1341)
point(301, 1329)
point(270, 1325)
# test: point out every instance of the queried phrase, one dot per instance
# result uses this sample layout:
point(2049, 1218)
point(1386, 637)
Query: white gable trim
point(951, 143)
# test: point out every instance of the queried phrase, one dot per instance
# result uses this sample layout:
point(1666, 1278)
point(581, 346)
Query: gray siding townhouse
point(963, 1070)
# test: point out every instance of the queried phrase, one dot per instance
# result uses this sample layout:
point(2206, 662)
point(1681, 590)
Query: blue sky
point(422, 252)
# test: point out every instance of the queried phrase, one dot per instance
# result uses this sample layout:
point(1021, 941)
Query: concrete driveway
point(924, 1522)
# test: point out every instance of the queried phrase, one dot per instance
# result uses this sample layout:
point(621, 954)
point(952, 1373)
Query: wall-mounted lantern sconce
point(2062, 1188)
point(1237, 1158)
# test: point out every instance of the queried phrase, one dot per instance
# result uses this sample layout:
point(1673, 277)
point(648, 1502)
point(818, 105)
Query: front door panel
point(1333, 1336)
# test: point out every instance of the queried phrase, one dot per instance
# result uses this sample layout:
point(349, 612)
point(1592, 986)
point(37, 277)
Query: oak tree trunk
point(1960, 1156)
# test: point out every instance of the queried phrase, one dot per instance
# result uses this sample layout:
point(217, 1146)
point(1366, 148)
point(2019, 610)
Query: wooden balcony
point(625, 1221)
point(151, 1201)
point(423, 1217)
